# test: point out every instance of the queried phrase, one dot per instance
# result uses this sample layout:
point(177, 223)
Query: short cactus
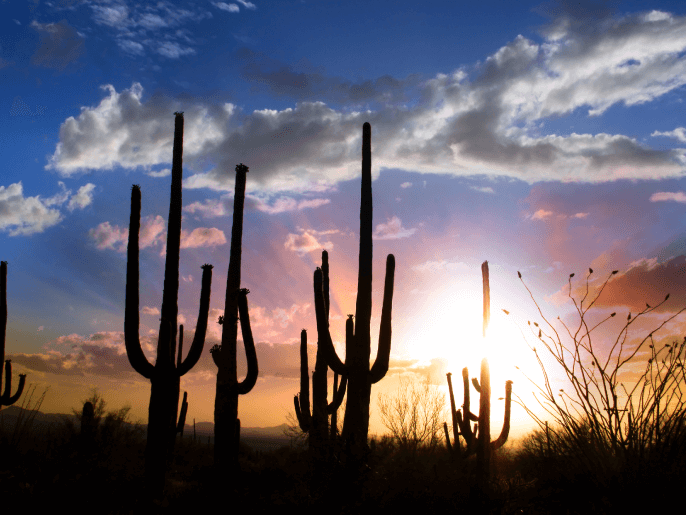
point(317, 422)
point(477, 439)
point(7, 399)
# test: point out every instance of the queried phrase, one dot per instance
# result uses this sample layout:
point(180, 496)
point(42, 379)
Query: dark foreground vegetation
point(58, 468)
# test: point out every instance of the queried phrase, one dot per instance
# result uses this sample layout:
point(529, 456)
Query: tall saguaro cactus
point(7, 399)
point(478, 439)
point(226, 423)
point(166, 373)
point(317, 422)
point(358, 347)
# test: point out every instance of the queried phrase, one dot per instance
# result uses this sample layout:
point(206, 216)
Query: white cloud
point(406, 185)
point(247, 5)
point(173, 50)
point(307, 241)
point(486, 122)
point(147, 310)
point(284, 204)
point(232, 8)
point(165, 172)
point(392, 230)
point(679, 134)
point(666, 196)
point(83, 197)
point(444, 264)
point(27, 215)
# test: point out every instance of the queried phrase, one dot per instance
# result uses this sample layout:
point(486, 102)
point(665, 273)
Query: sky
point(547, 138)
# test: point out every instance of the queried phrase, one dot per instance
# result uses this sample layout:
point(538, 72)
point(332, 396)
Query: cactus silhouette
point(316, 423)
point(7, 399)
point(478, 438)
point(166, 373)
point(182, 415)
point(358, 346)
point(226, 425)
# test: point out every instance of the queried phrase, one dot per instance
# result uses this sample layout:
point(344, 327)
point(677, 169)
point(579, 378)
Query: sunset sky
point(546, 138)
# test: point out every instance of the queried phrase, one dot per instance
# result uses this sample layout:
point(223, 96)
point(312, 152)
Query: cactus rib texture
point(226, 425)
point(7, 399)
point(358, 348)
point(166, 373)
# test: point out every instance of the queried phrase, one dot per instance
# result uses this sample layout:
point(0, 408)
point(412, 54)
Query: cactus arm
point(3, 311)
point(447, 438)
point(338, 394)
point(506, 423)
point(332, 358)
point(475, 382)
point(180, 350)
point(182, 415)
point(380, 366)
point(7, 399)
point(201, 327)
point(302, 410)
point(325, 272)
point(453, 413)
point(131, 316)
point(251, 378)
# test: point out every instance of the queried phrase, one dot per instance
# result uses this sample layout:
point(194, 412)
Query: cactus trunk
point(360, 375)
point(226, 429)
point(6, 399)
point(166, 373)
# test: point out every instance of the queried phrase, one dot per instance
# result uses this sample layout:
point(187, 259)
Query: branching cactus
point(166, 373)
point(226, 427)
point(358, 347)
point(317, 422)
point(478, 439)
point(7, 399)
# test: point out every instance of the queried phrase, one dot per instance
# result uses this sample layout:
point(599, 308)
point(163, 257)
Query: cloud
point(59, 45)
point(83, 197)
point(202, 237)
point(542, 214)
point(152, 232)
point(147, 310)
point(285, 204)
point(27, 215)
point(645, 281)
point(483, 189)
point(232, 8)
point(307, 241)
point(392, 230)
point(444, 264)
point(486, 119)
point(210, 208)
point(406, 185)
point(679, 134)
point(666, 196)
point(165, 172)
point(21, 108)
point(247, 5)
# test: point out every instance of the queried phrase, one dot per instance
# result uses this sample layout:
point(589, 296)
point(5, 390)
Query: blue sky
point(546, 138)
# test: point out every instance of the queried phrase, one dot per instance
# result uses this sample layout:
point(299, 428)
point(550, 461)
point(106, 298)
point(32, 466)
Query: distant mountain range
point(15, 417)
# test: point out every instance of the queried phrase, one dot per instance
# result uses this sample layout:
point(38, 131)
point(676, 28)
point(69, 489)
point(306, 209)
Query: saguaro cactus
point(166, 373)
point(317, 422)
point(226, 427)
point(7, 399)
point(358, 347)
point(478, 439)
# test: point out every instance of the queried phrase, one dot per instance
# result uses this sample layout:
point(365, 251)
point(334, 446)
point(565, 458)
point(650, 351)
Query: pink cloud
point(202, 237)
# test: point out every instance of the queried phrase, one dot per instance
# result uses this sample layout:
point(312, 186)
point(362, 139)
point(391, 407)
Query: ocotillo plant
point(228, 388)
point(358, 348)
point(7, 399)
point(317, 422)
point(478, 439)
point(165, 374)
